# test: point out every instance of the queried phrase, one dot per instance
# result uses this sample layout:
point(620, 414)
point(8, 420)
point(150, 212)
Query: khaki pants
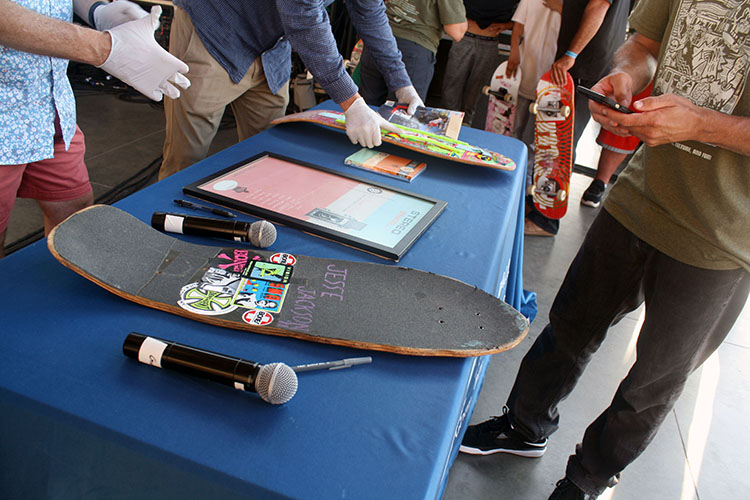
point(193, 119)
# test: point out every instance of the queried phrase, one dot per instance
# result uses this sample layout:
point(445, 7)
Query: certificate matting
point(364, 214)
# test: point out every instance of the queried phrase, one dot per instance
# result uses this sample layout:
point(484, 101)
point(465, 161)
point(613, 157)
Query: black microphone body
point(276, 383)
point(260, 233)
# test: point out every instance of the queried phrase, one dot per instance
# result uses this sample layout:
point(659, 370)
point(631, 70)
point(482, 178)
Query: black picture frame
point(390, 240)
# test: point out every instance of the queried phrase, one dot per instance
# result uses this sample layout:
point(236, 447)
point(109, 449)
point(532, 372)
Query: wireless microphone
point(261, 233)
point(275, 383)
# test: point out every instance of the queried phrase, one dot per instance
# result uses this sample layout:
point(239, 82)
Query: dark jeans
point(581, 116)
point(689, 312)
point(420, 65)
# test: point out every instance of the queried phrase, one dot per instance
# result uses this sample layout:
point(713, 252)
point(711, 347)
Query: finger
point(180, 80)
point(155, 15)
point(169, 90)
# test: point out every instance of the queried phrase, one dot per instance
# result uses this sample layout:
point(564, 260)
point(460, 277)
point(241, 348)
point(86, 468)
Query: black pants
point(689, 312)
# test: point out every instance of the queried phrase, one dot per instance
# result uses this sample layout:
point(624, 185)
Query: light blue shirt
point(236, 32)
point(33, 89)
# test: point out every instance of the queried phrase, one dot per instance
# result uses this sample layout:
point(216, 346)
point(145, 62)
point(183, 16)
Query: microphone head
point(262, 234)
point(276, 383)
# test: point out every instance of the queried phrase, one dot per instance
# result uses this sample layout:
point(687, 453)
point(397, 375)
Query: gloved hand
point(138, 60)
point(107, 16)
point(409, 95)
point(363, 124)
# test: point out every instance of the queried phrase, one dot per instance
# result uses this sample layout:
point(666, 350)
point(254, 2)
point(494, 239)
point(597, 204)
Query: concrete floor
point(699, 452)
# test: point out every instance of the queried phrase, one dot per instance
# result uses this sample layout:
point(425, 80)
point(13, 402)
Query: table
point(80, 420)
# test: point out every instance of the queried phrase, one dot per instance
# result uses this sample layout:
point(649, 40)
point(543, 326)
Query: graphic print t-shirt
point(691, 200)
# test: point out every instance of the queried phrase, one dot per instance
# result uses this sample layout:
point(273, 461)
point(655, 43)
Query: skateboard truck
point(500, 94)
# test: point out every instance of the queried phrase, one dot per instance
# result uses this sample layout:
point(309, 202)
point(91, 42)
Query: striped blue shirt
point(236, 32)
point(32, 90)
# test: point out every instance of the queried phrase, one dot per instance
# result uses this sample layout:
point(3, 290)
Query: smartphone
point(597, 97)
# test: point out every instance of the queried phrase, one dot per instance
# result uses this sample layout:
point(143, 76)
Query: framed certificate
point(373, 217)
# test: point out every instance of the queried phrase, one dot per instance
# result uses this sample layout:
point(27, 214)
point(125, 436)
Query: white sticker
point(151, 352)
point(173, 223)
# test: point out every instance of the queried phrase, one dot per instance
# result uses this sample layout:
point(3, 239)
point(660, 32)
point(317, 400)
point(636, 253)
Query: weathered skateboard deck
point(553, 146)
point(503, 94)
point(355, 304)
point(416, 140)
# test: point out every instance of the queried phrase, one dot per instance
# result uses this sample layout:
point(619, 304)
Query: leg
point(10, 180)
point(60, 184)
point(689, 312)
point(579, 319)
point(486, 59)
point(420, 65)
point(372, 84)
point(258, 106)
point(193, 119)
point(457, 70)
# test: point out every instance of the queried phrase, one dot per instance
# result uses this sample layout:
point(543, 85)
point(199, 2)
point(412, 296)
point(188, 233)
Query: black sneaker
point(567, 490)
point(497, 436)
point(592, 197)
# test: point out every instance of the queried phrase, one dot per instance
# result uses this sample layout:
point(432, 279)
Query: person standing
point(674, 233)
point(417, 26)
point(590, 33)
point(243, 60)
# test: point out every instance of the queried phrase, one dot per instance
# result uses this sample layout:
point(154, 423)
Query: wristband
point(93, 7)
point(570, 53)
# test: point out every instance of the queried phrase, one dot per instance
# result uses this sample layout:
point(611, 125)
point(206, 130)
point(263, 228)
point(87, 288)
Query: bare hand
point(514, 60)
point(555, 5)
point(618, 86)
point(560, 68)
point(664, 119)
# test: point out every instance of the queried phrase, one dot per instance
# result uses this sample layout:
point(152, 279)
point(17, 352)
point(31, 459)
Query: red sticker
point(257, 318)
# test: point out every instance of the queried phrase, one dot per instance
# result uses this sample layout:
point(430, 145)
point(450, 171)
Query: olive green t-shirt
point(421, 21)
point(691, 200)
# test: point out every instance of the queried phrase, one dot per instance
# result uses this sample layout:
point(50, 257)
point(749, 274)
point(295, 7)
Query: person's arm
point(456, 31)
point(28, 31)
point(128, 51)
point(514, 59)
point(103, 15)
point(666, 118)
point(593, 16)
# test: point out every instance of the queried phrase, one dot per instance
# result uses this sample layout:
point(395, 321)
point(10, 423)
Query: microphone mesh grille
point(276, 383)
point(262, 234)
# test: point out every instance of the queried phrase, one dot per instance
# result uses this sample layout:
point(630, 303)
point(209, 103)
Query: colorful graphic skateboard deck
point(553, 146)
point(353, 63)
point(355, 304)
point(503, 94)
point(416, 140)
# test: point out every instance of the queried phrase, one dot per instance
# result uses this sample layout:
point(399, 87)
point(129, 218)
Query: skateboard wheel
point(533, 108)
point(486, 90)
point(561, 195)
point(508, 98)
point(565, 111)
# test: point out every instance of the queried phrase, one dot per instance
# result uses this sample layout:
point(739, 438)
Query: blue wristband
point(570, 53)
point(91, 13)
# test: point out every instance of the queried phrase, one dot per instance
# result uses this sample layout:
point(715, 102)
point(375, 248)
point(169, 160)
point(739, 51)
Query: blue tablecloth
point(80, 420)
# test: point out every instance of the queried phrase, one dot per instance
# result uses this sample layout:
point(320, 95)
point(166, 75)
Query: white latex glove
point(112, 14)
point(409, 95)
point(138, 60)
point(363, 124)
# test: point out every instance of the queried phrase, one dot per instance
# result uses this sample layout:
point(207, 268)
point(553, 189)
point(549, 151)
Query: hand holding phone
point(607, 101)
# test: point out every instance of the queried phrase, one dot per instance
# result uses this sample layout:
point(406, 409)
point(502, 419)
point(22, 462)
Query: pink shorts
point(618, 143)
point(63, 177)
